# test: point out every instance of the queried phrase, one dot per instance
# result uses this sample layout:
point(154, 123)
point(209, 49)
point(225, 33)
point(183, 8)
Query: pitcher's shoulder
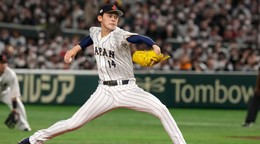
point(94, 29)
point(119, 30)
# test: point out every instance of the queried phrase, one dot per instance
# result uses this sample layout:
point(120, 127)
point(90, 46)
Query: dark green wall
point(174, 90)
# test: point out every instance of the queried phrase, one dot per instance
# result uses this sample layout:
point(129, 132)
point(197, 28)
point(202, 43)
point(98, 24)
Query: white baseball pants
point(106, 98)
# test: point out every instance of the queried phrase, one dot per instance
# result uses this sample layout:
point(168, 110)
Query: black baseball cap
point(3, 58)
point(109, 8)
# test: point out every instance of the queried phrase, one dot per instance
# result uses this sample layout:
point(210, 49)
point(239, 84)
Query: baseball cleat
point(24, 141)
point(27, 130)
point(247, 124)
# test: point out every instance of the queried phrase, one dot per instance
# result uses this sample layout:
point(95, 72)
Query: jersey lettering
point(106, 53)
point(112, 54)
point(111, 63)
point(96, 51)
point(103, 52)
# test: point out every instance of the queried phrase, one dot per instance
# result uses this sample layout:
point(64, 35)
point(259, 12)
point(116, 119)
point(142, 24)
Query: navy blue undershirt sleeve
point(138, 39)
point(87, 41)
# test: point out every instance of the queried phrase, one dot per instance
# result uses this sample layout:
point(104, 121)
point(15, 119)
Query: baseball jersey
point(9, 85)
point(112, 53)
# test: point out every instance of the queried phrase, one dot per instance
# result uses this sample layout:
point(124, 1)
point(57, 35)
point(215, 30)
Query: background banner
point(186, 90)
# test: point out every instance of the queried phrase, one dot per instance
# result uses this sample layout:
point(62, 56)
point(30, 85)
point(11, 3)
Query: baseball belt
point(115, 82)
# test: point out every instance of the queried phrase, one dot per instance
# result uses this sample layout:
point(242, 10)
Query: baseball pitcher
point(117, 86)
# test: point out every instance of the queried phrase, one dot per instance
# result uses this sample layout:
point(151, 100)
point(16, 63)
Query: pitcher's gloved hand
point(148, 58)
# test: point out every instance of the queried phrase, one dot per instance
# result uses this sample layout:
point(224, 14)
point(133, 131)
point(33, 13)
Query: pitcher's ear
point(99, 17)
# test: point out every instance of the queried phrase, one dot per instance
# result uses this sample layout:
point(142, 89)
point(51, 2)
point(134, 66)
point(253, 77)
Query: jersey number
point(111, 63)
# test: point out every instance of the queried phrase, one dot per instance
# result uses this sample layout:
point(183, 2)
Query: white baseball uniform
point(116, 89)
point(9, 88)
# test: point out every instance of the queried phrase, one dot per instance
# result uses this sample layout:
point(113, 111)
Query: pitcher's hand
point(71, 54)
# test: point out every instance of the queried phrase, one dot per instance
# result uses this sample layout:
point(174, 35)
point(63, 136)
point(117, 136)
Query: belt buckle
point(110, 83)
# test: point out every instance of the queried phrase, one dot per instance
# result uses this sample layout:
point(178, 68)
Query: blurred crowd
point(199, 35)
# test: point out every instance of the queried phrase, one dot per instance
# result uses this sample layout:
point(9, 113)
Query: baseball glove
point(12, 119)
point(148, 58)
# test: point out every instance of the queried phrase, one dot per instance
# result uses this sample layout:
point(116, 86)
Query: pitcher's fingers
point(67, 57)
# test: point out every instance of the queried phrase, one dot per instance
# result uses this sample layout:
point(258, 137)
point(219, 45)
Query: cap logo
point(3, 58)
point(108, 8)
point(114, 7)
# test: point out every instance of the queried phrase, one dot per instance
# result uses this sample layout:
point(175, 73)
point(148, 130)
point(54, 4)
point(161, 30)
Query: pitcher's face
point(109, 20)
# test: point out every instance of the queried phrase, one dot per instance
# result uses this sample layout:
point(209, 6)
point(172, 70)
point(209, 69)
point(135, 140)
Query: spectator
point(208, 23)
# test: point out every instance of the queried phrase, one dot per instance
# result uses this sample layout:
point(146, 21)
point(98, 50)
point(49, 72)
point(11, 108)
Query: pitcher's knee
point(161, 110)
